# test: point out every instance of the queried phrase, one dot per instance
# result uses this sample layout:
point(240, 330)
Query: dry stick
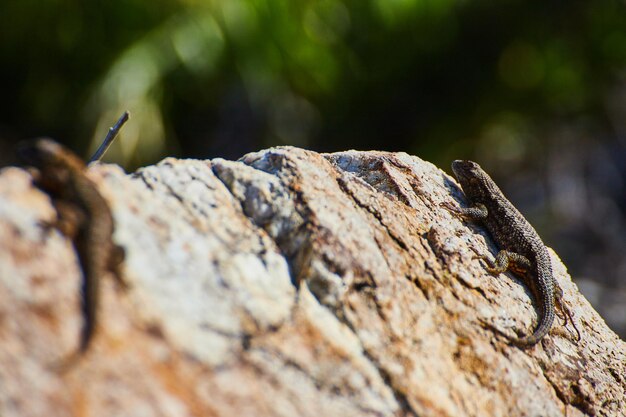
point(110, 137)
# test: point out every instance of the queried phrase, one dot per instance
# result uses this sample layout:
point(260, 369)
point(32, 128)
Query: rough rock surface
point(287, 283)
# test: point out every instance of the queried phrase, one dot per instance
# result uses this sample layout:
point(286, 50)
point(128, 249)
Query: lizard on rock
point(83, 215)
point(521, 249)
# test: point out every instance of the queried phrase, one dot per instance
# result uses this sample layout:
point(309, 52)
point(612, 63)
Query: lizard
point(83, 215)
point(521, 249)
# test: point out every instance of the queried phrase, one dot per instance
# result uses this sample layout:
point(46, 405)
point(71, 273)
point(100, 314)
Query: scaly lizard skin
point(83, 215)
point(521, 249)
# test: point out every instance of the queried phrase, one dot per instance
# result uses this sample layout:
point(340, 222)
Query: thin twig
point(110, 137)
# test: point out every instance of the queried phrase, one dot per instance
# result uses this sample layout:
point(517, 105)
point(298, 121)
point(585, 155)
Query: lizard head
point(474, 181)
point(48, 160)
point(42, 153)
point(38, 152)
point(465, 171)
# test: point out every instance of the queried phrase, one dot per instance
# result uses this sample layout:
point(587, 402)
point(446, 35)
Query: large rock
point(287, 283)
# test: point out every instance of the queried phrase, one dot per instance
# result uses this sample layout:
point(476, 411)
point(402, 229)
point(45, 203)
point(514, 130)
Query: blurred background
point(534, 91)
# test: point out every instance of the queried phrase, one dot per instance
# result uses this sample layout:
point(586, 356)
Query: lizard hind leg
point(506, 261)
point(500, 265)
point(116, 257)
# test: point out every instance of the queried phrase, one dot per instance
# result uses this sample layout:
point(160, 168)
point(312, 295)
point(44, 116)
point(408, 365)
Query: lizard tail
point(545, 324)
point(89, 324)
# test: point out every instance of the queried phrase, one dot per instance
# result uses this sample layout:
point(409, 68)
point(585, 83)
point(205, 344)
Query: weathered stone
point(287, 283)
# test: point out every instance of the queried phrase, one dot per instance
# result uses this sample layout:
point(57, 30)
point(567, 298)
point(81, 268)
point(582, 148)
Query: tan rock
point(288, 283)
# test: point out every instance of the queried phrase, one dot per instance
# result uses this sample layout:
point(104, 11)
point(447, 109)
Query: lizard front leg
point(475, 213)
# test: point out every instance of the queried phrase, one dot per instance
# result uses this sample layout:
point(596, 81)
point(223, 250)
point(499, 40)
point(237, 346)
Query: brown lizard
point(521, 249)
point(83, 215)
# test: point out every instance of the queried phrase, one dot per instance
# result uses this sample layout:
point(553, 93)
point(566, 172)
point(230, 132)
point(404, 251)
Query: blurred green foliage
point(220, 78)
